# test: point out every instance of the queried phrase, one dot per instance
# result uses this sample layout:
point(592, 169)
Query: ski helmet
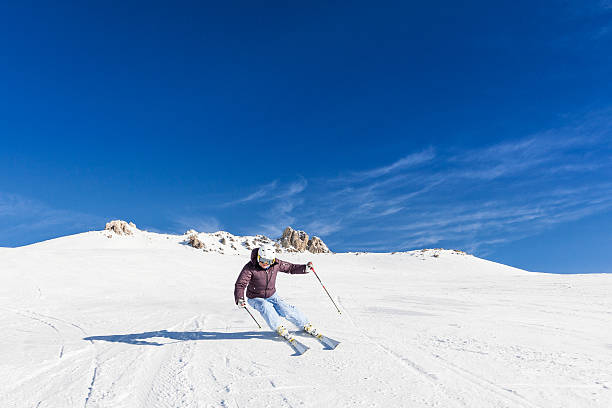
point(266, 254)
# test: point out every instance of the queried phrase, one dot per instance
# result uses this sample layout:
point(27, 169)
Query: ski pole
point(330, 298)
point(249, 312)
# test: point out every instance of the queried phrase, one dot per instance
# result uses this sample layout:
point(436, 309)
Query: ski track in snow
point(91, 385)
point(33, 316)
point(402, 360)
point(461, 373)
point(60, 327)
point(171, 386)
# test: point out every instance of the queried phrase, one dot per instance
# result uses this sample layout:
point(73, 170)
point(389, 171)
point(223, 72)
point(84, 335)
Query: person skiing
point(258, 276)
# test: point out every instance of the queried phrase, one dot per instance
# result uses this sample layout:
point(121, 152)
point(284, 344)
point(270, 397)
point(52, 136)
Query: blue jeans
point(273, 308)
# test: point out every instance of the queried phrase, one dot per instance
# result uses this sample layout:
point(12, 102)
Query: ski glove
point(241, 303)
point(309, 267)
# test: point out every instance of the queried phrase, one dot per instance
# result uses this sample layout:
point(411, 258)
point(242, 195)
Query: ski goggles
point(266, 260)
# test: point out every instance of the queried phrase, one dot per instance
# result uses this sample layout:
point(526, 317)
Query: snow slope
point(146, 321)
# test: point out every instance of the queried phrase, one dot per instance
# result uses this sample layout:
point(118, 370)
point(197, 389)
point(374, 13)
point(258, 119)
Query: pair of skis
point(301, 348)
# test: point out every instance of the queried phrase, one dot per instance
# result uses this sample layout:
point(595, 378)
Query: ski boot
point(311, 330)
point(297, 346)
point(283, 332)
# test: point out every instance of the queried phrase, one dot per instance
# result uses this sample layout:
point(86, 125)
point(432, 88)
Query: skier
point(258, 276)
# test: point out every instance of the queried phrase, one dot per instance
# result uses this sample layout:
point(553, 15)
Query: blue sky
point(485, 127)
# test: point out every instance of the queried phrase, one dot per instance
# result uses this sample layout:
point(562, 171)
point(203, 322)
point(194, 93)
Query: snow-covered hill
point(221, 242)
point(147, 321)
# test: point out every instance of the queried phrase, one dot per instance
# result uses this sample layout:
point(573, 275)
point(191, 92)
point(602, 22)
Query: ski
point(330, 343)
point(297, 346)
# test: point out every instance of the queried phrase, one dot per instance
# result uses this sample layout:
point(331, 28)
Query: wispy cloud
point(274, 205)
point(510, 219)
point(261, 193)
point(279, 216)
point(406, 162)
point(294, 188)
point(272, 191)
point(198, 223)
point(13, 204)
point(472, 198)
point(33, 221)
point(320, 228)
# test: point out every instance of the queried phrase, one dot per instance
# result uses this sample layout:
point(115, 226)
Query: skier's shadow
point(144, 339)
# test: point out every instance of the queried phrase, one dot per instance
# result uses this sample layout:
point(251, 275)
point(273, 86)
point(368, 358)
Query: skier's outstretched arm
point(241, 283)
point(288, 267)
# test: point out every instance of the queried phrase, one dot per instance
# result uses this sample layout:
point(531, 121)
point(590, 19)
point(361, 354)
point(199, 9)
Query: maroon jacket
point(260, 282)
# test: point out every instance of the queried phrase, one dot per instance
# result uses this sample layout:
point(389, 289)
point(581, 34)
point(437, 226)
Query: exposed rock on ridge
point(298, 241)
point(121, 227)
point(294, 241)
point(195, 242)
point(317, 246)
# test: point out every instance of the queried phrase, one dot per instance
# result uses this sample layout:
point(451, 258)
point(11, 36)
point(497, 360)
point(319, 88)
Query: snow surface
point(147, 321)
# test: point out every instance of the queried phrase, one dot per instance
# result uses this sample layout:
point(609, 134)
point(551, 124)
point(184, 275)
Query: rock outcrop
point(317, 246)
point(298, 241)
point(195, 242)
point(121, 227)
point(294, 241)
